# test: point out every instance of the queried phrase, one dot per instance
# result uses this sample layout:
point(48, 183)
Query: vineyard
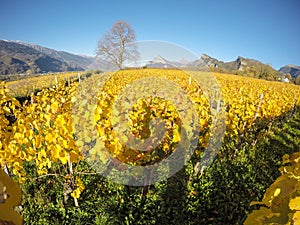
point(64, 131)
point(25, 87)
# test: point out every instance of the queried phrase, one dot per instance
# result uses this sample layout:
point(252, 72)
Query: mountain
point(160, 62)
point(241, 66)
point(22, 58)
point(71, 59)
point(19, 57)
point(293, 70)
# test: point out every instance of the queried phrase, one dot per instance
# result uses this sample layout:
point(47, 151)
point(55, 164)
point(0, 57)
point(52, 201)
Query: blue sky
point(268, 30)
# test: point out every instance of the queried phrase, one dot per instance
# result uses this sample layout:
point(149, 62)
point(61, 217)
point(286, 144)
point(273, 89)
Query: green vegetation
point(281, 202)
point(221, 195)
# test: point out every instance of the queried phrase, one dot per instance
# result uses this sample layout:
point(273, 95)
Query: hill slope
point(71, 59)
point(241, 66)
point(18, 58)
point(293, 70)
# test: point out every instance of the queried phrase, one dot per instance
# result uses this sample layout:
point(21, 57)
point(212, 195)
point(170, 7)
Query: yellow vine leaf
point(10, 196)
point(295, 204)
point(296, 218)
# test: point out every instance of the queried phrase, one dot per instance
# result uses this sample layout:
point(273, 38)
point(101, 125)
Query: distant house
point(284, 79)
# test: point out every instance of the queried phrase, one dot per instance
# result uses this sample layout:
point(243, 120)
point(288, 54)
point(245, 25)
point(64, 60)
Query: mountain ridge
point(69, 58)
point(241, 66)
point(291, 69)
point(17, 57)
point(20, 58)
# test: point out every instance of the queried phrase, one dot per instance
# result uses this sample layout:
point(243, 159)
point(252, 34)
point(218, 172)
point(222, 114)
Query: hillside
point(71, 59)
point(241, 66)
point(293, 70)
point(19, 58)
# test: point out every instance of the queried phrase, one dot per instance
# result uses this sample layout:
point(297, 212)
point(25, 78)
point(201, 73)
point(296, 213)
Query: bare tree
point(118, 45)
